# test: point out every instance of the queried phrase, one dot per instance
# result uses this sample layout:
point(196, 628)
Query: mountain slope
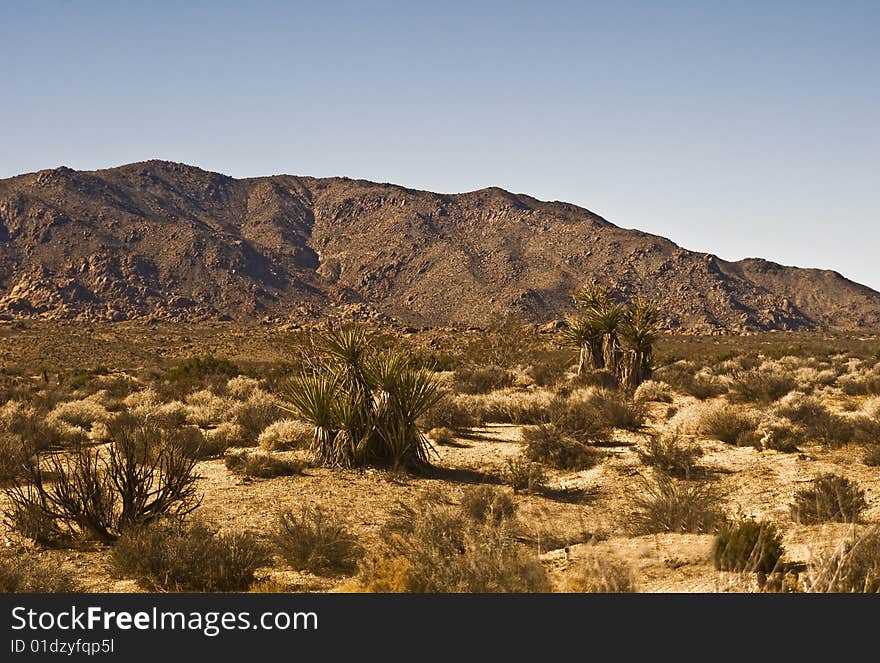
point(166, 240)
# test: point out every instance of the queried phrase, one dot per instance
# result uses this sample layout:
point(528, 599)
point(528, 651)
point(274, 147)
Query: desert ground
point(551, 480)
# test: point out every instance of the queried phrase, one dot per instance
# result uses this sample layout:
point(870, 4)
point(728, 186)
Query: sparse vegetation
point(603, 573)
point(315, 541)
point(23, 574)
point(671, 455)
point(261, 465)
point(853, 568)
point(748, 545)
point(524, 475)
point(547, 444)
point(831, 497)
point(671, 505)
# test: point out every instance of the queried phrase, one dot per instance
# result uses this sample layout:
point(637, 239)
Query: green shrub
point(176, 556)
point(313, 541)
point(195, 369)
point(261, 465)
point(547, 444)
point(747, 545)
point(830, 498)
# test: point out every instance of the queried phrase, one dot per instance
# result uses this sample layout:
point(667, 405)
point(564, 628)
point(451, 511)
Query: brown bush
point(261, 465)
point(315, 541)
point(547, 444)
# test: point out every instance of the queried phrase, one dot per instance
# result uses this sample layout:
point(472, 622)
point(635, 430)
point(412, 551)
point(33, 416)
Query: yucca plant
point(364, 404)
point(638, 333)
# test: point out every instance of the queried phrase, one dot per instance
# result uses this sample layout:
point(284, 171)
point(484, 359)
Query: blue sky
point(739, 128)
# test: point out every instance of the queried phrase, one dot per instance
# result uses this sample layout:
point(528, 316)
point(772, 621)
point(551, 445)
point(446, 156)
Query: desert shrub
point(30, 425)
point(577, 416)
point(141, 475)
point(683, 376)
point(254, 415)
point(196, 370)
point(286, 434)
point(205, 408)
point(364, 404)
point(443, 437)
point(546, 374)
point(853, 568)
point(830, 498)
point(508, 406)
point(177, 556)
point(747, 545)
point(871, 455)
point(261, 465)
point(317, 542)
point(14, 456)
point(448, 412)
point(22, 574)
point(487, 503)
point(728, 423)
point(82, 413)
point(704, 385)
point(219, 439)
point(242, 387)
point(547, 444)
point(778, 435)
point(602, 573)
point(761, 386)
point(653, 391)
point(435, 548)
point(524, 475)
point(671, 505)
point(671, 455)
point(481, 379)
point(617, 410)
point(598, 378)
point(818, 423)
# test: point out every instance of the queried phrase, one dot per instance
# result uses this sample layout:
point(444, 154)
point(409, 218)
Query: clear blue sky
point(739, 128)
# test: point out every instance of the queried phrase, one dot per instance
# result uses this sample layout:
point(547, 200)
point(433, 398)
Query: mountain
point(169, 241)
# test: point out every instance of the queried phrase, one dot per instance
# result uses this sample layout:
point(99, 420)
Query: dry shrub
point(481, 379)
point(672, 505)
point(286, 434)
point(487, 503)
point(617, 410)
point(830, 498)
point(81, 414)
point(599, 573)
point(23, 574)
point(747, 545)
point(817, 421)
point(599, 378)
point(853, 568)
point(729, 423)
point(871, 456)
point(433, 547)
point(206, 409)
point(255, 414)
point(546, 374)
point(509, 406)
point(219, 439)
point(261, 465)
point(176, 556)
point(317, 542)
point(579, 416)
point(443, 437)
point(30, 425)
point(242, 387)
point(545, 443)
point(653, 391)
point(524, 475)
point(670, 454)
point(762, 385)
point(14, 456)
point(685, 377)
point(449, 412)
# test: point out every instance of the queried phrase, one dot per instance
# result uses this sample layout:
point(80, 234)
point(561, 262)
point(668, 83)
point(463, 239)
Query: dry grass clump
point(481, 379)
point(653, 391)
point(861, 381)
point(286, 434)
point(176, 556)
point(617, 410)
point(778, 434)
point(730, 424)
point(524, 475)
point(261, 465)
point(487, 503)
point(219, 439)
point(687, 377)
point(509, 406)
point(831, 497)
point(433, 547)
point(545, 443)
point(853, 568)
point(748, 545)
point(444, 437)
point(315, 541)
point(671, 505)
point(871, 455)
point(30, 425)
point(14, 456)
point(24, 574)
point(671, 455)
point(817, 422)
point(578, 416)
point(242, 387)
point(207, 409)
point(599, 573)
